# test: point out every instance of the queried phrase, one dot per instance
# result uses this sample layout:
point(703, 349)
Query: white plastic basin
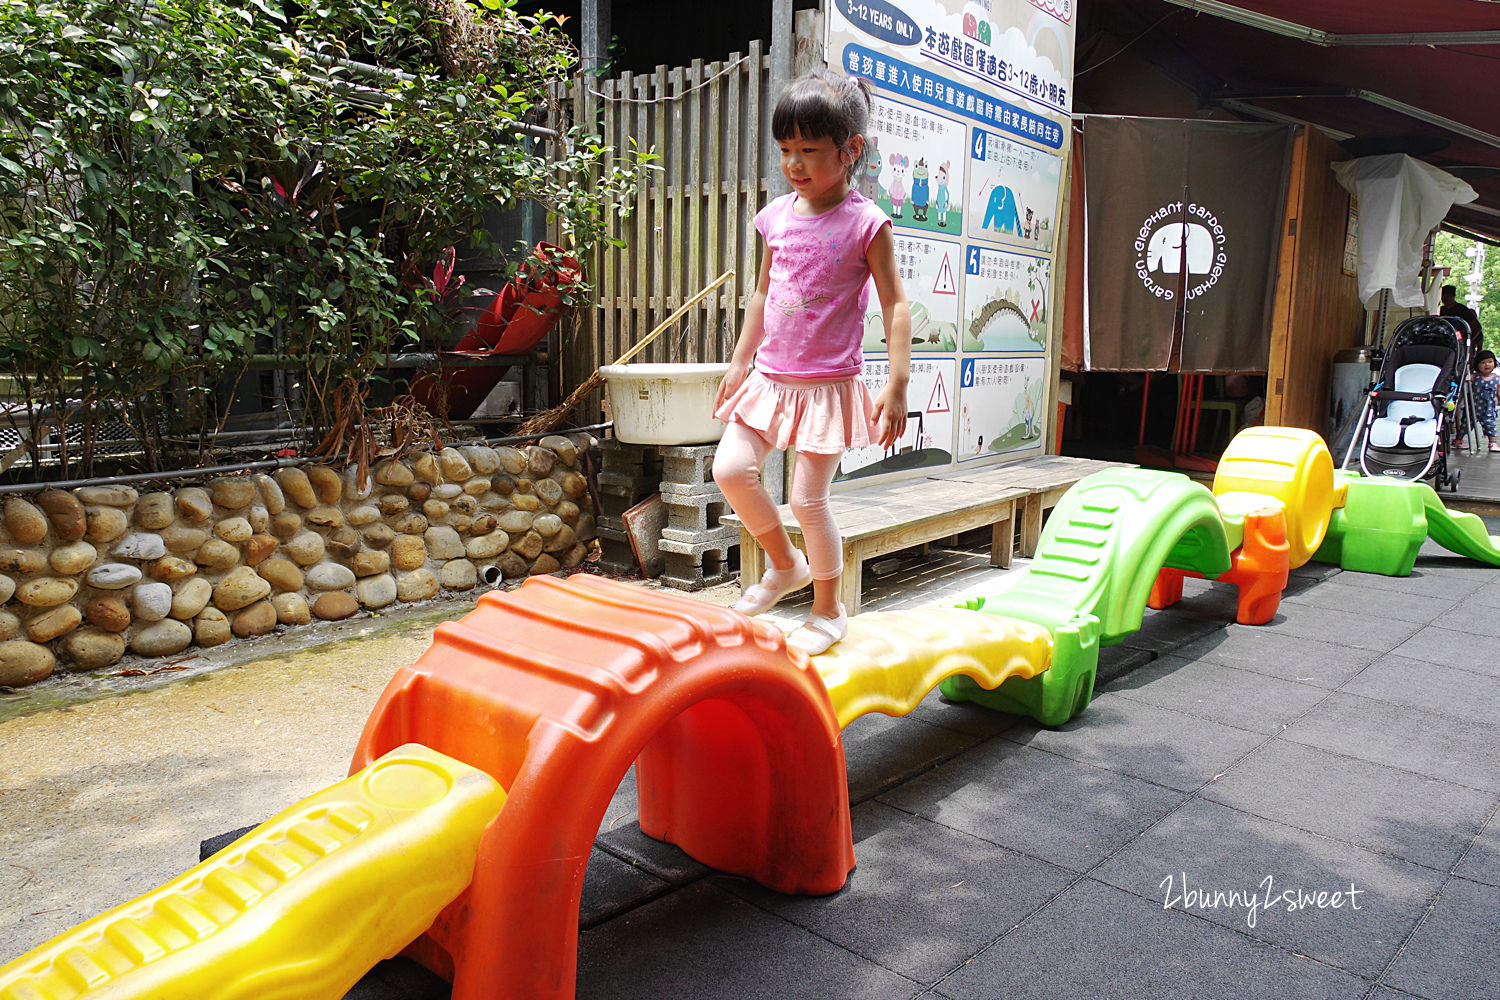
point(665, 404)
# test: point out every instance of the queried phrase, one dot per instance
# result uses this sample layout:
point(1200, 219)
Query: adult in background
point(1452, 307)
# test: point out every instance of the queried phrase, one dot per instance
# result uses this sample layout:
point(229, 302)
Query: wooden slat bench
point(887, 517)
point(1045, 479)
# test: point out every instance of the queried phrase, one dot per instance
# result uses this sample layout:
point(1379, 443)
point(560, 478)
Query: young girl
point(802, 331)
point(1486, 396)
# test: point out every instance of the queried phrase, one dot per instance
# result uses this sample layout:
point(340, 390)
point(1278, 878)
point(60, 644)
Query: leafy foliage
point(1471, 260)
point(190, 182)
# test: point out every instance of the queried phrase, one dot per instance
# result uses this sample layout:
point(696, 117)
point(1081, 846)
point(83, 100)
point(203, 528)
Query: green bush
point(187, 183)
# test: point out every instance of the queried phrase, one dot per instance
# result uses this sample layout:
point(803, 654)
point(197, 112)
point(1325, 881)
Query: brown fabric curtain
point(1074, 285)
point(1182, 232)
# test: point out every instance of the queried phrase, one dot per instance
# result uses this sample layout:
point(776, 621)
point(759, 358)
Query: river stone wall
point(91, 573)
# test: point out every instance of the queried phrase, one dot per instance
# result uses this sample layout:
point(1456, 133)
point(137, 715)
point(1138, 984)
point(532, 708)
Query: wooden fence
point(693, 219)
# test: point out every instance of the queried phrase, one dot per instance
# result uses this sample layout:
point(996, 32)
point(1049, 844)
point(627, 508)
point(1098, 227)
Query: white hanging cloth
point(1401, 200)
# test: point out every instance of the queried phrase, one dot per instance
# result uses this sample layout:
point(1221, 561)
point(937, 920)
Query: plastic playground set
point(464, 830)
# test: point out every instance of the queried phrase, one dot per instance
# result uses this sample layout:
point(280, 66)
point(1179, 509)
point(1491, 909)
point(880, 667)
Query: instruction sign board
point(967, 141)
point(928, 438)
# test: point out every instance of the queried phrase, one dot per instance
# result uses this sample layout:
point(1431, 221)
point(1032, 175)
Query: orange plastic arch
point(1260, 569)
point(554, 689)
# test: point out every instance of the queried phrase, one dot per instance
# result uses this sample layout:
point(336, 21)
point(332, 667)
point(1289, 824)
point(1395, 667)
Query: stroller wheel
point(1453, 481)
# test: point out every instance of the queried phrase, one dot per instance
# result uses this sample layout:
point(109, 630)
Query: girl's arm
point(890, 405)
point(751, 333)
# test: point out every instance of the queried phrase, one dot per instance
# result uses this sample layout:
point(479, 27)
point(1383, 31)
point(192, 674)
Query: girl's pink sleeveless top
point(820, 286)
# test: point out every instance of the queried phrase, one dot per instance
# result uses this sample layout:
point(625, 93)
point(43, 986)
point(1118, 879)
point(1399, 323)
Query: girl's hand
point(890, 413)
point(890, 405)
point(733, 379)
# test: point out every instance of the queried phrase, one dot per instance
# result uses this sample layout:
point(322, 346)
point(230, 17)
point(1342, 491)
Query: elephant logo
point(1180, 244)
point(1174, 257)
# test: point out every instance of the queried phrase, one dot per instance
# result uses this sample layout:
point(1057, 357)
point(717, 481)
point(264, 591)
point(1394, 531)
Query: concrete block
point(620, 484)
point(615, 554)
point(688, 464)
point(694, 542)
point(613, 506)
point(697, 513)
point(690, 492)
point(631, 459)
point(706, 567)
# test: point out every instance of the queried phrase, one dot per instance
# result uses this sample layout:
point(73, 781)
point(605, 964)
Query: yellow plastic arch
point(1294, 466)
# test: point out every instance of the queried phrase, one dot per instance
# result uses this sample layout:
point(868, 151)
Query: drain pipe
point(534, 437)
point(416, 359)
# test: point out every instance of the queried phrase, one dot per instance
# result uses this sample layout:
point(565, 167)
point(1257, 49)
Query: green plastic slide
point(1383, 523)
point(1457, 530)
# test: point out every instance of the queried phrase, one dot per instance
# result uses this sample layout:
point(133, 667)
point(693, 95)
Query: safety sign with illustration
point(1001, 407)
point(1012, 193)
point(1006, 301)
point(928, 439)
point(929, 271)
point(970, 127)
point(914, 169)
point(1021, 48)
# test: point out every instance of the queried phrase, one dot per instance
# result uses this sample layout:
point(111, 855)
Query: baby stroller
point(1403, 425)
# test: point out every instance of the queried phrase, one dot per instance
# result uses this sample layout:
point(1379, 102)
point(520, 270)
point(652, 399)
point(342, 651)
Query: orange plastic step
point(554, 689)
point(1260, 567)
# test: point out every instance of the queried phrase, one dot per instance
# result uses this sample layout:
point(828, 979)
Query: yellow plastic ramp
point(297, 909)
point(891, 659)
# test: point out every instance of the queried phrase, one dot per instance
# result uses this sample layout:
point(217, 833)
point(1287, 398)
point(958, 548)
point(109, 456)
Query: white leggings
point(737, 465)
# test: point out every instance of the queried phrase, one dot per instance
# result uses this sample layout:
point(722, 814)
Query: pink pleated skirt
point(823, 417)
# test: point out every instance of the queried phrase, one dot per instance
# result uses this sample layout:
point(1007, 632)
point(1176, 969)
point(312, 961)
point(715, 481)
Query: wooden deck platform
point(887, 517)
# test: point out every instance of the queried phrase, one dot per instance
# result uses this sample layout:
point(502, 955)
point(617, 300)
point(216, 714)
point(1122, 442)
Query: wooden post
point(663, 237)
point(595, 34)
point(1286, 277)
point(783, 44)
point(706, 345)
point(679, 168)
point(739, 249)
point(810, 54)
point(692, 324)
point(1057, 290)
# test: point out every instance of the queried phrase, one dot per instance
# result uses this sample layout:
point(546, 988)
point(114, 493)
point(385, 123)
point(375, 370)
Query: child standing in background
point(1486, 383)
point(793, 380)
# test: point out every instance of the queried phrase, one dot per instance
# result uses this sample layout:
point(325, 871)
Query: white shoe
point(817, 634)
point(774, 585)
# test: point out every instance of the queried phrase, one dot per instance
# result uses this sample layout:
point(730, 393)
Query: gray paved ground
point(1351, 746)
point(1479, 473)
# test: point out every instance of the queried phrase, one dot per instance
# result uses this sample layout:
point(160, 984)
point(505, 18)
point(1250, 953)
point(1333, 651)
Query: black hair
point(1451, 290)
point(1482, 355)
point(825, 105)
